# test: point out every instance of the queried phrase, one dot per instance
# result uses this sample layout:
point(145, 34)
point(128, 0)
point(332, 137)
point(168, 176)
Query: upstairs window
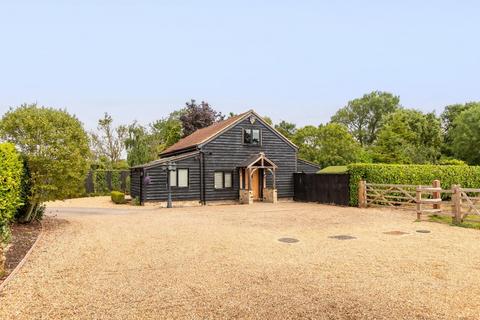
point(251, 136)
point(223, 179)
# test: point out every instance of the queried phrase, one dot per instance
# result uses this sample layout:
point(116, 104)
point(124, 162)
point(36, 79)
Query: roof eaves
point(166, 160)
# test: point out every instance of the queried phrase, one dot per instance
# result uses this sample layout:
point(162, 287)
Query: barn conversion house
point(241, 158)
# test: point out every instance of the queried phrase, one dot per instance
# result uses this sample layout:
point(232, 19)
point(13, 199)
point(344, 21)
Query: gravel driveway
point(225, 262)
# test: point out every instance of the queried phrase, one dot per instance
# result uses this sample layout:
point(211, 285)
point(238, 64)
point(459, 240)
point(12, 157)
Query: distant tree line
point(374, 128)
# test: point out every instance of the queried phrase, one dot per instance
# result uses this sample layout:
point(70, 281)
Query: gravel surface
point(226, 262)
point(23, 238)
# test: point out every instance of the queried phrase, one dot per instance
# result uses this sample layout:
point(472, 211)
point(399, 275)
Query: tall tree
point(56, 149)
point(448, 116)
point(268, 120)
point(363, 116)
point(409, 136)
point(327, 145)
point(138, 145)
point(198, 116)
point(288, 129)
point(108, 141)
point(144, 144)
point(466, 136)
point(166, 131)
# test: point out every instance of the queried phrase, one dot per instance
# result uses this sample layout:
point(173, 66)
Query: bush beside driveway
point(227, 262)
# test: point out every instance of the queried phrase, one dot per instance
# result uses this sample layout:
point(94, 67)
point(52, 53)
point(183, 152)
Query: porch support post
point(274, 179)
point(264, 179)
point(240, 173)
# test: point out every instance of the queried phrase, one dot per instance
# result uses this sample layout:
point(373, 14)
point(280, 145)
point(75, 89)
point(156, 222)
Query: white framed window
point(173, 178)
point(219, 180)
point(182, 178)
point(227, 179)
point(179, 178)
point(223, 179)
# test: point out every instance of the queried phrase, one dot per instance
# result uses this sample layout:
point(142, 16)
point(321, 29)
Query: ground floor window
point(179, 178)
point(223, 179)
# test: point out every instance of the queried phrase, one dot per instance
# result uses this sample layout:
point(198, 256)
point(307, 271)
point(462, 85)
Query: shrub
point(11, 172)
point(451, 162)
point(137, 202)
point(466, 176)
point(118, 197)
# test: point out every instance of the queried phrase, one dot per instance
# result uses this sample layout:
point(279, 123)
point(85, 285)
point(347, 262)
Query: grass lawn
point(470, 221)
point(334, 169)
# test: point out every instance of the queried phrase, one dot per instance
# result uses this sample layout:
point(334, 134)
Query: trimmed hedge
point(466, 176)
point(11, 172)
point(118, 197)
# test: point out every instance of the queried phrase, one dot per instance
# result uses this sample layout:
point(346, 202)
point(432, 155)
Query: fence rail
point(458, 202)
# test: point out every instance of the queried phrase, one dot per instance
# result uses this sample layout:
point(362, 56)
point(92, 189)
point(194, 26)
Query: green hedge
point(118, 197)
point(466, 176)
point(11, 172)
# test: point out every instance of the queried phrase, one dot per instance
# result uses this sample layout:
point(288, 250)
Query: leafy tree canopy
point(288, 129)
point(327, 145)
point(144, 144)
point(196, 117)
point(108, 141)
point(363, 116)
point(409, 136)
point(55, 146)
point(466, 136)
point(448, 116)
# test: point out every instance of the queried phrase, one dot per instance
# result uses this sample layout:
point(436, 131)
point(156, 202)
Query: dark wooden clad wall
point(303, 166)
point(156, 190)
point(227, 151)
point(135, 183)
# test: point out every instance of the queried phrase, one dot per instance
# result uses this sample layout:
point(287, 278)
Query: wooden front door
point(256, 185)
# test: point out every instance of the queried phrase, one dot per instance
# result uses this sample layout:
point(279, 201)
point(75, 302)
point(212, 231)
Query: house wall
point(135, 182)
point(227, 152)
point(303, 166)
point(157, 190)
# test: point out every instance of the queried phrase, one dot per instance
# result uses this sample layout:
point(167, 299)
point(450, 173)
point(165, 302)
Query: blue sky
point(293, 60)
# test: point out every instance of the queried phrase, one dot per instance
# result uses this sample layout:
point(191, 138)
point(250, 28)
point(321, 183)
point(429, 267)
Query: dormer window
point(252, 136)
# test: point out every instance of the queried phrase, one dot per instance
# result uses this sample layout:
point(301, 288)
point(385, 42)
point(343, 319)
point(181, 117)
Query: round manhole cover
point(423, 231)
point(342, 237)
point(288, 240)
point(395, 233)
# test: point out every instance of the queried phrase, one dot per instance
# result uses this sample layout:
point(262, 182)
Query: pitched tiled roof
point(202, 135)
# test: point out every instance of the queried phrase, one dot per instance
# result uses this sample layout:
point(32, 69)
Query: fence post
point(436, 194)
point(362, 194)
point(418, 200)
point(457, 204)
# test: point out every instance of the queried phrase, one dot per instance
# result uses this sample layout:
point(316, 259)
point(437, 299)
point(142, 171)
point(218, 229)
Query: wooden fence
point(105, 181)
point(322, 188)
point(458, 202)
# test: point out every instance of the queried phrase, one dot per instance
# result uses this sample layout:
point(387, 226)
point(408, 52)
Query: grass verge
point(471, 221)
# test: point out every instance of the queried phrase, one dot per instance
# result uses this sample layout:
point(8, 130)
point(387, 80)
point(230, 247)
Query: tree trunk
point(31, 212)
